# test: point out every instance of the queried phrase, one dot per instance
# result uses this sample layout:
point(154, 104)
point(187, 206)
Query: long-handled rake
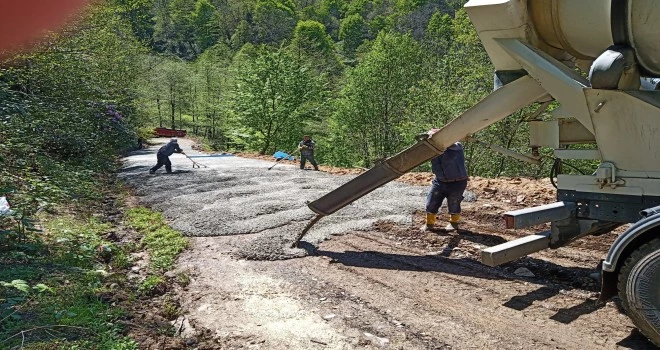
point(288, 155)
point(195, 164)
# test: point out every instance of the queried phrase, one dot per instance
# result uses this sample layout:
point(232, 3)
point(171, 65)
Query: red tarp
point(165, 132)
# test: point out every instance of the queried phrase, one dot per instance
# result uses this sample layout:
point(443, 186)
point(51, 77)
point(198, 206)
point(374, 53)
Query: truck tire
point(639, 289)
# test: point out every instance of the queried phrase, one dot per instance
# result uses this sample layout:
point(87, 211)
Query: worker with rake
point(306, 148)
point(164, 154)
point(449, 183)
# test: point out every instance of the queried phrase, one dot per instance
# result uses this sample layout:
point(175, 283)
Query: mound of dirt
point(517, 189)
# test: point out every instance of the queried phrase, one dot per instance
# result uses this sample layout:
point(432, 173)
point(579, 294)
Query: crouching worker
point(449, 183)
point(164, 154)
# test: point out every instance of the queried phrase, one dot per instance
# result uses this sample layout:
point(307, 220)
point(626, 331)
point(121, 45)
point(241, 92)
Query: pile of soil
point(503, 188)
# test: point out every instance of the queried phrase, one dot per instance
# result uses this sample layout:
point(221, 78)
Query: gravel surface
point(236, 196)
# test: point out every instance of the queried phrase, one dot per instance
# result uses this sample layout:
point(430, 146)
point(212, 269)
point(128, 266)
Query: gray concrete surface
point(239, 196)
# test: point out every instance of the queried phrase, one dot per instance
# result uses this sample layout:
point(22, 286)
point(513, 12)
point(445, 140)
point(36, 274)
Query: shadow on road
point(637, 341)
point(131, 169)
point(568, 315)
point(432, 263)
point(140, 152)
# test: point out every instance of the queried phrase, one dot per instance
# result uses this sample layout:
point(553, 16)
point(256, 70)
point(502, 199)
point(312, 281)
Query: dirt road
point(367, 278)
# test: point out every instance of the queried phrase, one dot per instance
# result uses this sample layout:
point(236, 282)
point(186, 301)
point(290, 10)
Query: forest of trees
point(363, 77)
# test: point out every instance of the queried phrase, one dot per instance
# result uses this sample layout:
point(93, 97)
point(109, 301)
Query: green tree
point(329, 13)
point(164, 32)
point(439, 33)
point(409, 5)
point(241, 35)
point(213, 81)
point(468, 65)
point(151, 94)
point(205, 22)
point(172, 83)
point(231, 13)
point(174, 30)
point(274, 20)
point(360, 7)
point(138, 13)
point(352, 31)
point(312, 44)
point(275, 97)
point(310, 37)
point(67, 109)
point(331, 8)
point(372, 108)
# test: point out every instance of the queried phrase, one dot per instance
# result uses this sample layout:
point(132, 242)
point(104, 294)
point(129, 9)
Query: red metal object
point(165, 132)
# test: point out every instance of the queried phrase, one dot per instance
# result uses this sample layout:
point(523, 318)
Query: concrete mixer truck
point(538, 48)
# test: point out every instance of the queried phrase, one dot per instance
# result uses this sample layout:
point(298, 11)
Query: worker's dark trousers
point(452, 191)
point(310, 157)
point(162, 160)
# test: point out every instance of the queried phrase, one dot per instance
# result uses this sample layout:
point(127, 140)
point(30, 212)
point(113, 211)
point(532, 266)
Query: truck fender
point(636, 235)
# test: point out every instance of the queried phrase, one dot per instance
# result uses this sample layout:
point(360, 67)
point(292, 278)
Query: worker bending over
point(164, 154)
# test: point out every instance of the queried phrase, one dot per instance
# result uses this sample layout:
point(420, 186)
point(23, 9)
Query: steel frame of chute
point(535, 47)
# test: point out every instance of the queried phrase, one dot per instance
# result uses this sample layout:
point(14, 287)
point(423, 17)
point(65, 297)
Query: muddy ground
point(366, 278)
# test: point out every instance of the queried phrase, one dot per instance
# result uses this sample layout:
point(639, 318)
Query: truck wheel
point(639, 281)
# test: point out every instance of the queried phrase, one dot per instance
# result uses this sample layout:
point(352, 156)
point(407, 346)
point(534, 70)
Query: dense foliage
point(363, 77)
point(66, 110)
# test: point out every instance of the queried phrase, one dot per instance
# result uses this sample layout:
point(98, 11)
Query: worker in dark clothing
point(164, 154)
point(306, 148)
point(449, 183)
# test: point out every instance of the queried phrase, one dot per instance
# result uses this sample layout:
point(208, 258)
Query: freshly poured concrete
point(239, 196)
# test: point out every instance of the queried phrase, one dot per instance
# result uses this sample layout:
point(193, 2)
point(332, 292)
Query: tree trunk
point(213, 125)
point(265, 148)
point(160, 116)
point(195, 127)
point(172, 105)
point(180, 118)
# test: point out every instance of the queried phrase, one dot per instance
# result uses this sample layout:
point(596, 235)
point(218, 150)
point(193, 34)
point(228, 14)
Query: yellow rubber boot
point(453, 223)
point(430, 221)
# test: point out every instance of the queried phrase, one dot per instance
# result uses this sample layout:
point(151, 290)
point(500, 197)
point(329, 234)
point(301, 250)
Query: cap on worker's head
point(306, 136)
point(173, 140)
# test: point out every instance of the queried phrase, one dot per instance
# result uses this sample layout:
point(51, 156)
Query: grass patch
point(161, 241)
point(51, 297)
point(152, 285)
